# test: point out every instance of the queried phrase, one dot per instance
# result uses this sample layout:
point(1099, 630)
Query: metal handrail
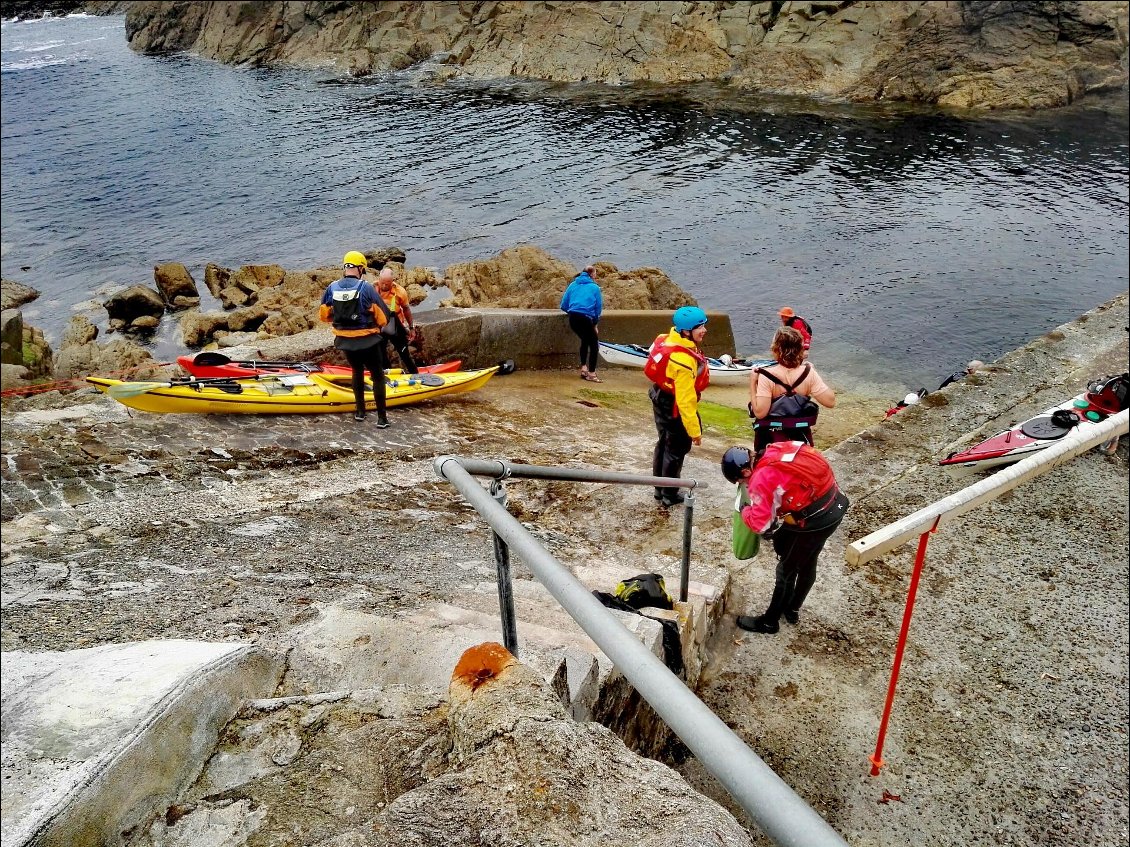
point(499, 469)
point(782, 815)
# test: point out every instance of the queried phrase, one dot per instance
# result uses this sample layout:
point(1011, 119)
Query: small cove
point(913, 242)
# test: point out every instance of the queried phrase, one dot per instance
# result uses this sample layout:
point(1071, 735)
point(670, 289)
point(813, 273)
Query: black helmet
point(734, 461)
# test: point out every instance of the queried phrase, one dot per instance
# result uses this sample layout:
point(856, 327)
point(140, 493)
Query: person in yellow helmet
point(351, 305)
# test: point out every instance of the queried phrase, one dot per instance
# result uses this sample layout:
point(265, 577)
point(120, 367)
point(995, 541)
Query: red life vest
point(802, 326)
point(810, 476)
point(655, 368)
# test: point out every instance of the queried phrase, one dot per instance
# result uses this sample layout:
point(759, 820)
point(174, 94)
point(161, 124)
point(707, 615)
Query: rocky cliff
point(976, 55)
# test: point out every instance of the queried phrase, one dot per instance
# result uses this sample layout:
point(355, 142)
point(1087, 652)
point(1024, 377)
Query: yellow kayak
point(300, 394)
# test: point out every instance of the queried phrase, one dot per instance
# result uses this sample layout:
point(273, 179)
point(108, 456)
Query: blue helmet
point(688, 318)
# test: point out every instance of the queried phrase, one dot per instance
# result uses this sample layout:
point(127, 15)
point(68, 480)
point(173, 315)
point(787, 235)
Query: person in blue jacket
point(583, 303)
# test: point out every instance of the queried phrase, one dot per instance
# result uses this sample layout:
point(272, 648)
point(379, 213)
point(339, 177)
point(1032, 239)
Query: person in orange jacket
point(396, 299)
point(351, 305)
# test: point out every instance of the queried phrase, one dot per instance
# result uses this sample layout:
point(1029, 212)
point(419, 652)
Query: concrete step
point(343, 649)
point(97, 741)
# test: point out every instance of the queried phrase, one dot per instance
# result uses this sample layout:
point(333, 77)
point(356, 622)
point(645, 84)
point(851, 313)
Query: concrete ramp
point(97, 741)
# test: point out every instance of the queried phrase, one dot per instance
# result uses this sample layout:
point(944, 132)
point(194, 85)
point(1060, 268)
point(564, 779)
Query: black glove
point(749, 406)
point(773, 527)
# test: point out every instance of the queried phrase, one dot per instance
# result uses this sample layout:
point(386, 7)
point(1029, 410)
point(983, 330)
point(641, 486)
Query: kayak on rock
point(1104, 397)
point(282, 394)
point(722, 370)
point(210, 364)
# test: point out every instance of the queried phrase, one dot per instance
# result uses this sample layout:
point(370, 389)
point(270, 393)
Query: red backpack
point(811, 476)
point(803, 327)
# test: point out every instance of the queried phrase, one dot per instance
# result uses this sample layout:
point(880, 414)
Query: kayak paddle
point(224, 383)
point(210, 359)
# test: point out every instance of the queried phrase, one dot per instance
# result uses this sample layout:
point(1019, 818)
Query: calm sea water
point(912, 242)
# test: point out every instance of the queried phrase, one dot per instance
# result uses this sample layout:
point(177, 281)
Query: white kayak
point(733, 372)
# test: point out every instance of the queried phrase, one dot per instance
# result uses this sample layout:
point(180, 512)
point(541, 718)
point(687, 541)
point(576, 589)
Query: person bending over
point(971, 368)
point(795, 501)
point(583, 303)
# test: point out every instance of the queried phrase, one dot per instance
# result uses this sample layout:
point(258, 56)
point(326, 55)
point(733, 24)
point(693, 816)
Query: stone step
point(99, 740)
point(343, 649)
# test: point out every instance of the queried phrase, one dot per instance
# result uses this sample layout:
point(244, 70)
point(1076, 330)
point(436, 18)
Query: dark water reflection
point(913, 242)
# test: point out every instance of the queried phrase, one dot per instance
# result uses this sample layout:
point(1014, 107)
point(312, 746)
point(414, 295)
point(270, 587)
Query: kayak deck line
point(315, 394)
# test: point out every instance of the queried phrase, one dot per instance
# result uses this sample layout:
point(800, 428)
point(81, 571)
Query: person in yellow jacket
point(680, 373)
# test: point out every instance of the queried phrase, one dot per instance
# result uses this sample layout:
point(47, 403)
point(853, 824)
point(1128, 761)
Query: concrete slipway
point(1009, 607)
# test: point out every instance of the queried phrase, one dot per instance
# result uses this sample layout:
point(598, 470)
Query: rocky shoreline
point(268, 306)
point(977, 56)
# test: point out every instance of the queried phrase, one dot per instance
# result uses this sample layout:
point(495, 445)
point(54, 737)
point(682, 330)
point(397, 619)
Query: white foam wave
point(32, 64)
point(47, 45)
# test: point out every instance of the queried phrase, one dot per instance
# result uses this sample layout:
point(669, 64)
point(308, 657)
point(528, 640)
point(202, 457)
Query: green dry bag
point(745, 542)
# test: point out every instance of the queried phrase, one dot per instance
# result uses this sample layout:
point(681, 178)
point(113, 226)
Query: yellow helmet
point(355, 258)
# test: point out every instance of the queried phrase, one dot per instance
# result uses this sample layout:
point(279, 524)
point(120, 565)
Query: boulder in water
point(176, 285)
point(129, 304)
point(80, 355)
point(14, 294)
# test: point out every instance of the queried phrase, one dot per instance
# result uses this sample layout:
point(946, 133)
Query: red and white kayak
point(210, 364)
point(1036, 433)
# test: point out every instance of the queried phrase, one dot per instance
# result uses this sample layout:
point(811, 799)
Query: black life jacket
point(791, 410)
point(348, 305)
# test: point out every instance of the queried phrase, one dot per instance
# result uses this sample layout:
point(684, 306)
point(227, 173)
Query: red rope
point(73, 384)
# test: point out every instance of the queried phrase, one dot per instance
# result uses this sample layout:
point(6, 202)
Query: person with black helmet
point(680, 373)
point(795, 501)
point(351, 305)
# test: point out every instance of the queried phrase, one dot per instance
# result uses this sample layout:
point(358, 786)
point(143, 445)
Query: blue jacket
point(583, 297)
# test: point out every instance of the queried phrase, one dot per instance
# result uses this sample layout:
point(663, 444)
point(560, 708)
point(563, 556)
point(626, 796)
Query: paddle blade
point(208, 359)
point(134, 389)
point(507, 367)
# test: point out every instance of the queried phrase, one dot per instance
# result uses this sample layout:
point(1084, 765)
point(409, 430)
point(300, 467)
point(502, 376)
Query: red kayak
point(1104, 397)
point(210, 364)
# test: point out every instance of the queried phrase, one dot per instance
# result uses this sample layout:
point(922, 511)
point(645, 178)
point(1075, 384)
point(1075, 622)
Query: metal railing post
point(502, 569)
point(688, 526)
point(919, 560)
point(773, 806)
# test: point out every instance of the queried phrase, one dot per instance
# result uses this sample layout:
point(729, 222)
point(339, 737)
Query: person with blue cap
point(680, 372)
